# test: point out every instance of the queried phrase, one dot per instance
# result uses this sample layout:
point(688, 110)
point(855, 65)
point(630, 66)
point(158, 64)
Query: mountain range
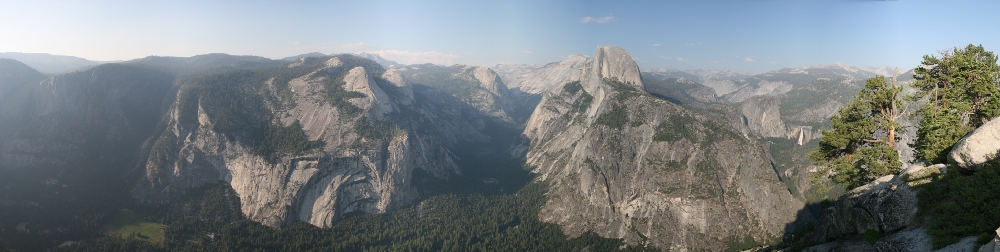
point(664, 159)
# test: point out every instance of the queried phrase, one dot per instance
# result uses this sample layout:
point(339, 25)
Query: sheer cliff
point(623, 163)
point(311, 140)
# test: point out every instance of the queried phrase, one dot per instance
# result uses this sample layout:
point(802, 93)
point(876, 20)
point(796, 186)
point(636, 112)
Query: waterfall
point(802, 135)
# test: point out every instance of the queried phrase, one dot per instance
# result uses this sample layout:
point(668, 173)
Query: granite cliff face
point(360, 138)
point(536, 80)
point(762, 115)
point(623, 163)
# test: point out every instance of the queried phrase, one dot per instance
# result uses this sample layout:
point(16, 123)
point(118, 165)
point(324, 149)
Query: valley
point(353, 152)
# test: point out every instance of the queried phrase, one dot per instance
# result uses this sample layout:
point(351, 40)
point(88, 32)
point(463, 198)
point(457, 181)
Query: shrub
point(962, 205)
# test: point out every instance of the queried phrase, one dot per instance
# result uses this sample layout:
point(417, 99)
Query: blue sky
point(745, 35)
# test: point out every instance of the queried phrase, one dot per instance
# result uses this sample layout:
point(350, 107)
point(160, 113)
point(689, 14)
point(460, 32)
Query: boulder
point(917, 175)
point(976, 148)
point(887, 205)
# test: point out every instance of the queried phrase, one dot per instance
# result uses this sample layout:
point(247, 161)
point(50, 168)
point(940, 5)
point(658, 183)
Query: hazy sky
point(746, 35)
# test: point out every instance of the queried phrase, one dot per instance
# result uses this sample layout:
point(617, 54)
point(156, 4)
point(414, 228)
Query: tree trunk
point(892, 136)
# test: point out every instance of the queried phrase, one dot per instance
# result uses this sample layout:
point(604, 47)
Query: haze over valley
point(497, 127)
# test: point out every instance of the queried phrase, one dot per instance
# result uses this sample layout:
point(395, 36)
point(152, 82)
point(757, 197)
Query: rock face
point(762, 115)
point(887, 204)
point(704, 94)
point(614, 63)
point(976, 148)
point(537, 80)
point(490, 81)
point(907, 240)
point(365, 143)
point(625, 164)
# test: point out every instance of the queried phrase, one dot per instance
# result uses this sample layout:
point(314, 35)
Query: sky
point(756, 35)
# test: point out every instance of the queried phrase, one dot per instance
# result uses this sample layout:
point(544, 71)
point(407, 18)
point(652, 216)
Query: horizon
point(755, 36)
point(641, 69)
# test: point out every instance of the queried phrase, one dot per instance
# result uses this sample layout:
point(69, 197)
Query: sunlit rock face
point(536, 80)
point(625, 164)
point(365, 162)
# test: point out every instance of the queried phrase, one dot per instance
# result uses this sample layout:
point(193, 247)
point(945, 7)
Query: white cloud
point(680, 59)
point(750, 60)
point(408, 57)
point(656, 45)
point(666, 58)
point(600, 20)
point(527, 52)
point(689, 44)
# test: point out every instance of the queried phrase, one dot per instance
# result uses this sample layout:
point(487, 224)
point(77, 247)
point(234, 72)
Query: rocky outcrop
point(887, 204)
point(982, 145)
point(917, 175)
point(907, 240)
point(624, 164)
point(365, 161)
point(374, 99)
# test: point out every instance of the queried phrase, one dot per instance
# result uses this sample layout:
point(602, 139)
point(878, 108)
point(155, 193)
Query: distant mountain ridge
point(387, 64)
point(50, 63)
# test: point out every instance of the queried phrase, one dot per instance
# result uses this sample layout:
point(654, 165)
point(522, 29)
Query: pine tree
point(859, 147)
point(962, 94)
